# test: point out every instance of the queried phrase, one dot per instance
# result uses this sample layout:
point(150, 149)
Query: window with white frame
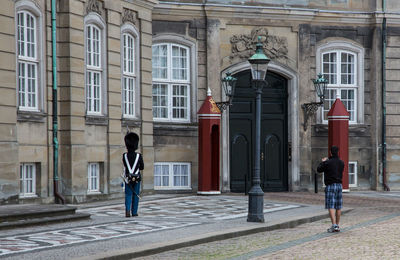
point(341, 64)
point(171, 82)
point(352, 174)
point(93, 69)
point(128, 75)
point(171, 175)
point(27, 61)
point(93, 178)
point(27, 182)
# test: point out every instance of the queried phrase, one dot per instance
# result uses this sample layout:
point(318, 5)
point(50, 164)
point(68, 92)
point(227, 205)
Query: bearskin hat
point(131, 141)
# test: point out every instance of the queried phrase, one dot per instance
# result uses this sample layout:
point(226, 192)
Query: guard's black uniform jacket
point(333, 169)
point(131, 158)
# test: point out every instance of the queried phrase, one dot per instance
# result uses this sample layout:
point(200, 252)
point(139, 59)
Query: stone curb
point(206, 238)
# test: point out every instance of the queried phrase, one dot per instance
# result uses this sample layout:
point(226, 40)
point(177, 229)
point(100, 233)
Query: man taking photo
point(333, 173)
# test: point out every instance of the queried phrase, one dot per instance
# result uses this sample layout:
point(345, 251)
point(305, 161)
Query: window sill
point(31, 116)
point(354, 130)
point(93, 192)
point(134, 122)
point(28, 196)
point(170, 129)
point(172, 188)
point(96, 120)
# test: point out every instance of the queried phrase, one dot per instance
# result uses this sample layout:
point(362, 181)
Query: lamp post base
point(256, 204)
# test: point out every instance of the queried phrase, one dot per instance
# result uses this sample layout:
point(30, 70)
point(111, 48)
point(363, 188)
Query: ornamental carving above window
point(93, 6)
point(244, 45)
point(129, 16)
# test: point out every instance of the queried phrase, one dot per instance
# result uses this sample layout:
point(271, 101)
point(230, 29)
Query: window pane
point(26, 35)
point(93, 91)
point(160, 61)
point(21, 34)
point(93, 46)
point(330, 97)
point(348, 99)
point(160, 101)
point(347, 68)
point(21, 84)
point(352, 179)
point(329, 67)
point(179, 63)
point(157, 181)
point(128, 96)
point(128, 46)
point(180, 102)
point(89, 46)
point(27, 85)
point(180, 172)
point(93, 177)
point(27, 179)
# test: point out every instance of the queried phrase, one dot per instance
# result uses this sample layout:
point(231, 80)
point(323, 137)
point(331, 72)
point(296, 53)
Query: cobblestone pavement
point(164, 214)
point(370, 231)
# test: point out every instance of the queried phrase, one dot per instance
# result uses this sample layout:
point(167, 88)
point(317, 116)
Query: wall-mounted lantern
point(228, 85)
point(309, 109)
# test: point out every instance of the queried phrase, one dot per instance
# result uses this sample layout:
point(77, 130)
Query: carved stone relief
point(93, 6)
point(244, 45)
point(129, 16)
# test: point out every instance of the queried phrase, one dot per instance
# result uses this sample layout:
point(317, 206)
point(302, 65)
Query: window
point(342, 65)
point(171, 82)
point(93, 69)
point(94, 178)
point(27, 183)
point(352, 174)
point(171, 175)
point(27, 61)
point(129, 79)
point(339, 68)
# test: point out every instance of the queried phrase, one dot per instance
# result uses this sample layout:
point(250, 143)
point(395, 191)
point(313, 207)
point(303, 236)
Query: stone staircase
point(21, 215)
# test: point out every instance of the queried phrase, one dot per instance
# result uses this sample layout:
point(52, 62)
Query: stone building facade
point(145, 66)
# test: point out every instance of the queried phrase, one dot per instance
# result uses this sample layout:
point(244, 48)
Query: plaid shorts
point(333, 196)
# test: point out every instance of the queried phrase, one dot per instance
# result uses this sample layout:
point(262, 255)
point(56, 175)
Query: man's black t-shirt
point(333, 169)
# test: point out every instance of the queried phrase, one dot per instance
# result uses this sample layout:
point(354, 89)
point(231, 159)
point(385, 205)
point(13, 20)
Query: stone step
point(14, 216)
point(43, 220)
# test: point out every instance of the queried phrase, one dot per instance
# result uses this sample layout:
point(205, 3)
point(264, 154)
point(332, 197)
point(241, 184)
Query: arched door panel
point(274, 140)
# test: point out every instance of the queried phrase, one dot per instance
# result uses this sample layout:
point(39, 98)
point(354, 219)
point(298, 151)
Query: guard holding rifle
point(133, 164)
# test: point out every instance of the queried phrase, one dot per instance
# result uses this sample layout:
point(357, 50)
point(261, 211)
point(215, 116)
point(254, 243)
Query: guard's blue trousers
point(131, 199)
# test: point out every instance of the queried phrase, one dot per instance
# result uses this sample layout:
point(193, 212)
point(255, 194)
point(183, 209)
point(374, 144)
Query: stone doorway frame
point(293, 125)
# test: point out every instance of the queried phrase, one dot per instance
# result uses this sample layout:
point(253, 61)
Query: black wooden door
point(274, 142)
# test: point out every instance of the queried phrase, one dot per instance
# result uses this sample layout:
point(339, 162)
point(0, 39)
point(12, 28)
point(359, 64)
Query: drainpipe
point(57, 195)
point(384, 42)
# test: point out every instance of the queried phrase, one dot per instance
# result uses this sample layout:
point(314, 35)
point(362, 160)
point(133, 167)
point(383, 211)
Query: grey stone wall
point(178, 142)
point(9, 185)
point(361, 145)
point(393, 107)
point(84, 138)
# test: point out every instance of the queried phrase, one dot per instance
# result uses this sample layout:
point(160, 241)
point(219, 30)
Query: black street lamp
point(309, 109)
point(259, 65)
point(228, 84)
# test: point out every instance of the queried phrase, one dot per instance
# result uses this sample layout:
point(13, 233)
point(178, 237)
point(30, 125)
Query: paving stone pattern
point(217, 208)
point(159, 215)
point(42, 240)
